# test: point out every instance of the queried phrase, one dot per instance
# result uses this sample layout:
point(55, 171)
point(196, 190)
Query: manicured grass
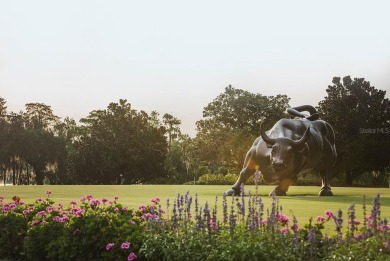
point(303, 202)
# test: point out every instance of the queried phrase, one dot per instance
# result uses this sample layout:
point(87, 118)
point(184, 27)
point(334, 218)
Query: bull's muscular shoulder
point(296, 127)
point(289, 127)
point(300, 125)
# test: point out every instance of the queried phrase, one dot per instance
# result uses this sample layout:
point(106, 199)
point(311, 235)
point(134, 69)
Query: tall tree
point(3, 138)
point(172, 126)
point(232, 121)
point(42, 150)
point(40, 116)
point(360, 116)
point(119, 145)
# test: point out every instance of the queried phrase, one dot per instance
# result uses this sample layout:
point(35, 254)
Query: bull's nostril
point(279, 165)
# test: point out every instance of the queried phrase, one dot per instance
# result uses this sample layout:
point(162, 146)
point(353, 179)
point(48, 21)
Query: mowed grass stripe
point(302, 201)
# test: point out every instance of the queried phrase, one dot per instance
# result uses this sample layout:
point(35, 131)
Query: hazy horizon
point(176, 57)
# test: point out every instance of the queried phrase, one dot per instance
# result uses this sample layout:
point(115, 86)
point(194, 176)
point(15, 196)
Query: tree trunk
point(349, 175)
point(14, 173)
point(28, 174)
point(4, 175)
point(39, 177)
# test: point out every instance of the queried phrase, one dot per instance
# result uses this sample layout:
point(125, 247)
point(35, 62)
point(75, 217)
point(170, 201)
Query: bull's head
point(284, 151)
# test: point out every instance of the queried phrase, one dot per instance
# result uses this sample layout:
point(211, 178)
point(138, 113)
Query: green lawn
point(303, 201)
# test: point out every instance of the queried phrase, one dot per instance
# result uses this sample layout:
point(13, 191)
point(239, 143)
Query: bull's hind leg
point(325, 177)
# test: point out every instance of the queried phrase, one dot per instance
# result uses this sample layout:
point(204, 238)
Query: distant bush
point(217, 179)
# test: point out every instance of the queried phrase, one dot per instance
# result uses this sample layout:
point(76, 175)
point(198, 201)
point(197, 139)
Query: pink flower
point(26, 212)
point(132, 222)
point(284, 230)
point(12, 206)
point(329, 213)
point(155, 200)
point(1, 198)
point(142, 208)
point(283, 219)
point(35, 222)
point(6, 208)
point(109, 246)
point(125, 245)
point(50, 209)
point(131, 257)
point(89, 197)
point(116, 198)
point(48, 192)
point(39, 200)
point(320, 219)
point(73, 203)
point(42, 213)
point(95, 202)
point(104, 200)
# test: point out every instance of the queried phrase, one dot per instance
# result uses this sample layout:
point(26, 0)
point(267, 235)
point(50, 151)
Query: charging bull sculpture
point(289, 148)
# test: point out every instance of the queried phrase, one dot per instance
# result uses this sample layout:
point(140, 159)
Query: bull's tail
point(297, 112)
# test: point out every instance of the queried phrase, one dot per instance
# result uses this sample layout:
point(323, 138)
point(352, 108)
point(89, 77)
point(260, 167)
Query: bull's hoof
point(277, 192)
point(325, 192)
point(232, 192)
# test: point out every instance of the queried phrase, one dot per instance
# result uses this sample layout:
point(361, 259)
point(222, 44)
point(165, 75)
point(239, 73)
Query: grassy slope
point(303, 201)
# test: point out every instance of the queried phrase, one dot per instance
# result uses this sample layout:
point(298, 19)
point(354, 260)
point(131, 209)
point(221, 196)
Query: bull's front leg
point(325, 177)
point(244, 175)
point(282, 188)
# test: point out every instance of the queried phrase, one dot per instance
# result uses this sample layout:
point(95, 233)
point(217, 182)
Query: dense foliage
point(244, 229)
point(118, 145)
point(360, 116)
point(230, 124)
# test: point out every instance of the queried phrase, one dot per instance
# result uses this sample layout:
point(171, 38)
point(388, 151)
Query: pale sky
point(177, 56)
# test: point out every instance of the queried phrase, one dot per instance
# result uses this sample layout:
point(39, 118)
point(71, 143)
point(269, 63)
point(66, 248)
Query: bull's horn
point(305, 137)
point(266, 139)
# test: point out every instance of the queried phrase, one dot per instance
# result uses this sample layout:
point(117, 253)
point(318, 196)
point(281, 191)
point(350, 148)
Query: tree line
point(120, 145)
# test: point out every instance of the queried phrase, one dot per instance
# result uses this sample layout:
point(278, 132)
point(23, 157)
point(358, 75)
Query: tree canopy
point(232, 121)
point(360, 116)
point(118, 145)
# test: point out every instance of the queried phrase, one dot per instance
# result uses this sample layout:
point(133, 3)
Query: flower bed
point(238, 228)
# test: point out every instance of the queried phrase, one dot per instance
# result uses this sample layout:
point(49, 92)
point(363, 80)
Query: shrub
point(13, 228)
point(93, 229)
point(217, 179)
